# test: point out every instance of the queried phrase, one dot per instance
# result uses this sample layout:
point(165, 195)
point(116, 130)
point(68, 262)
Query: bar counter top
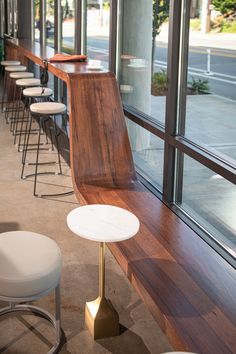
point(37, 53)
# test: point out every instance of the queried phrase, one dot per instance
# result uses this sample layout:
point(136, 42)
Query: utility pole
point(206, 16)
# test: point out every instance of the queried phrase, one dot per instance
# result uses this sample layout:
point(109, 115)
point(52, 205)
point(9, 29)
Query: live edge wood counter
point(188, 287)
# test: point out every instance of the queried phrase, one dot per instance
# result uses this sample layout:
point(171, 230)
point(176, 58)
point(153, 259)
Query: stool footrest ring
point(38, 311)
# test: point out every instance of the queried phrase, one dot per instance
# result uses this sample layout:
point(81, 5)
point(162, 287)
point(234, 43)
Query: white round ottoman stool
point(30, 267)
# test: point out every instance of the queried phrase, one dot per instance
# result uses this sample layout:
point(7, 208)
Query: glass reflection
point(98, 28)
point(68, 25)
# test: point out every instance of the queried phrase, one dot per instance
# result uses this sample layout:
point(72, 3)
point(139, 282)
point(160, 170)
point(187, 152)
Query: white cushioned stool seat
point(10, 62)
point(28, 82)
point(48, 107)
point(15, 68)
point(30, 264)
point(19, 75)
point(37, 92)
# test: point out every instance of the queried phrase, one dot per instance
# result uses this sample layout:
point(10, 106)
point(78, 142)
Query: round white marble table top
point(103, 223)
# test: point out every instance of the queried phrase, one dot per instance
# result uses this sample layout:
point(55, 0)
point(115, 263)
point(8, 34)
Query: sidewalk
point(198, 39)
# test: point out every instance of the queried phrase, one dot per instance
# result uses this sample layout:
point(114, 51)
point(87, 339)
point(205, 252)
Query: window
point(148, 153)
point(210, 200)
point(211, 91)
point(37, 20)
point(50, 20)
point(68, 25)
point(98, 29)
point(206, 121)
point(10, 17)
point(143, 56)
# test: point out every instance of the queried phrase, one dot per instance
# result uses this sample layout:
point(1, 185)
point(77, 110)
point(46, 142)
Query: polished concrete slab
point(24, 334)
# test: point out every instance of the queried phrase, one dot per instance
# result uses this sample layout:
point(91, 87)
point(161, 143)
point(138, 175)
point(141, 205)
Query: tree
point(225, 6)
point(160, 14)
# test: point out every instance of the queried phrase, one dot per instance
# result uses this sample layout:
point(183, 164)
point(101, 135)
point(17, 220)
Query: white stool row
point(25, 85)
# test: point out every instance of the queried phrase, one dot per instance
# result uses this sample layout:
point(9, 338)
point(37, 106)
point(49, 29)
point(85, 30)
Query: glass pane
point(98, 26)
point(36, 20)
point(10, 16)
point(2, 22)
point(211, 200)
point(50, 22)
point(68, 25)
point(143, 62)
point(211, 93)
point(15, 18)
point(148, 153)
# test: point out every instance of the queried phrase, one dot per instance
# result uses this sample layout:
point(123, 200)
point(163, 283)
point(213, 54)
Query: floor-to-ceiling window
point(180, 105)
point(68, 25)
point(98, 31)
point(143, 79)
point(50, 21)
point(10, 17)
point(36, 20)
point(207, 123)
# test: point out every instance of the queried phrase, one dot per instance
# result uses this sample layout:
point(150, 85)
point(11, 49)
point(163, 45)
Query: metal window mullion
point(171, 99)
point(78, 29)
point(43, 22)
point(13, 17)
point(57, 42)
point(57, 25)
point(5, 29)
point(183, 78)
point(203, 157)
point(32, 34)
point(119, 38)
point(83, 26)
point(113, 35)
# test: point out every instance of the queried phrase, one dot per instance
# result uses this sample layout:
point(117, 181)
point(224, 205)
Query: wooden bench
point(189, 289)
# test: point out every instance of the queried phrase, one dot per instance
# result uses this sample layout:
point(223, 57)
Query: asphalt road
point(222, 76)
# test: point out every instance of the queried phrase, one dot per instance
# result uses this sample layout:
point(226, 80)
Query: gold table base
point(101, 318)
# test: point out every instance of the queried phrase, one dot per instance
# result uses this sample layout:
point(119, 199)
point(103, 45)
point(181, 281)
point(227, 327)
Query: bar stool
point(8, 70)
point(5, 63)
point(21, 84)
point(32, 94)
point(41, 111)
point(15, 76)
point(8, 63)
point(30, 268)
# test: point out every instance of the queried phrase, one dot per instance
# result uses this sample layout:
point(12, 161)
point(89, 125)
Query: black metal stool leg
point(4, 91)
point(16, 117)
point(15, 113)
point(37, 158)
point(57, 145)
point(22, 125)
point(25, 149)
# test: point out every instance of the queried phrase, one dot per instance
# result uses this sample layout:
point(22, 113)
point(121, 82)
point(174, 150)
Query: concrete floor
point(24, 334)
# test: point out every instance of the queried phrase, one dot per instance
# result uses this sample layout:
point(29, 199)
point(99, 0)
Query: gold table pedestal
point(101, 318)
